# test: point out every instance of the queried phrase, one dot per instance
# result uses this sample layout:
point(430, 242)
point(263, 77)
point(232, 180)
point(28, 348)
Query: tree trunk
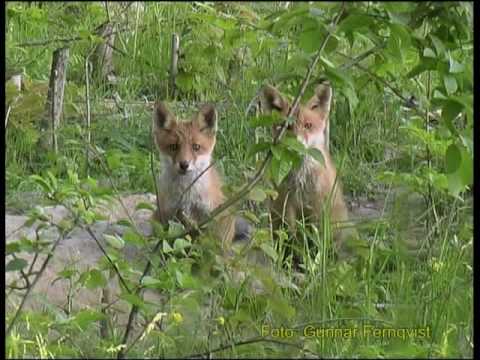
point(54, 105)
point(174, 64)
point(102, 59)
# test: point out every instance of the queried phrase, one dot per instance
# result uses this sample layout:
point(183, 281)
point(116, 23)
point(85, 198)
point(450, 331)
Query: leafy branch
point(386, 83)
point(38, 274)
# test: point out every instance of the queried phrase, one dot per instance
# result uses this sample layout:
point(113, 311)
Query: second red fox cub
point(313, 188)
point(186, 154)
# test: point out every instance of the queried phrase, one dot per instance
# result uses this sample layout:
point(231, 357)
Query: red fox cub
point(189, 185)
point(312, 188)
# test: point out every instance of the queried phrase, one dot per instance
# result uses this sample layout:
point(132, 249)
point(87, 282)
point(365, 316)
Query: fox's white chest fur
point(180, 195)
point(303, 182)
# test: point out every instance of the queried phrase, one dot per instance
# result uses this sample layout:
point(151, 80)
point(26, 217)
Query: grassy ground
point(412, 272)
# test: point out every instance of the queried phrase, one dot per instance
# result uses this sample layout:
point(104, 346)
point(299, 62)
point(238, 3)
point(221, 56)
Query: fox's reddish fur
point(314, 187)
point(186, 153)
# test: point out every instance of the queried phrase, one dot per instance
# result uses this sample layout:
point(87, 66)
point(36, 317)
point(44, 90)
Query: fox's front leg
point(283, 211)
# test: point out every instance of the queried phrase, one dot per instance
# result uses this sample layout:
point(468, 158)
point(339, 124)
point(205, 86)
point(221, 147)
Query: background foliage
point(378, 56)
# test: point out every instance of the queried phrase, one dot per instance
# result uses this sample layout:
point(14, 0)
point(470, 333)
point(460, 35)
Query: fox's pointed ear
point(207, 118)
point(322, 99)
point(272, 99)
point(163, 117)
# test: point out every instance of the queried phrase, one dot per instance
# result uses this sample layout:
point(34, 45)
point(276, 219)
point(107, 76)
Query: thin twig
point(66, 40)
point(7, 115)
point(144, 330)
point(386, 83)
point(87, 103)
point(102, 249)
point(249, 186)
point(362, 57)
point(34, 282)
point(253, 340)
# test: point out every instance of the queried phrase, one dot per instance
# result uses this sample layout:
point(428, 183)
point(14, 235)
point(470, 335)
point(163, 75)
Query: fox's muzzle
point(184, 167)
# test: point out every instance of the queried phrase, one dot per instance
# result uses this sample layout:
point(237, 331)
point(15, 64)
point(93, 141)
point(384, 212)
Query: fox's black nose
point(184, 165)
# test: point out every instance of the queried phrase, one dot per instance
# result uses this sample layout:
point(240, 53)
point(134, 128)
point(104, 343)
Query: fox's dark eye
point(195, 147)
point(308, 126)
point(173, 147)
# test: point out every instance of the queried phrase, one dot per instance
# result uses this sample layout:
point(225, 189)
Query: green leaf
point(115, 241)
point(114, 160)
point(398, 6)
point(332, 44)
point(439, 47)
point(402, 34)
point(145, 206)
point(125, 222)
point(150, 282)
point(257, 194)
point(277, 151)
point(45, 185)
point(266, 120)
point(95, 279)
point(132, 237)
point(181, 244)
point(309, 41)
point(166, 248)
point(289, 18)
point(86, 317)
point(424, 64)
point(16, 265)
point(450, 111)
point(12, 247)
point(258, 147)
point(399, 18)
point(280, 307)
point(455, 184)
point(450, 84)
point(175, 229)
point(279, 169)
point(427, 52)
point(292, 143)
point(251, 216)
point(355, 22)
point(185, 81)
point(311, 36)
point(453, 158)
point(439, 181)
point(455, 67)
point(67, 273)
point(317, 155)
point(466, 168)
point(133, 299)
point(341, 81)
point(269, 250)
